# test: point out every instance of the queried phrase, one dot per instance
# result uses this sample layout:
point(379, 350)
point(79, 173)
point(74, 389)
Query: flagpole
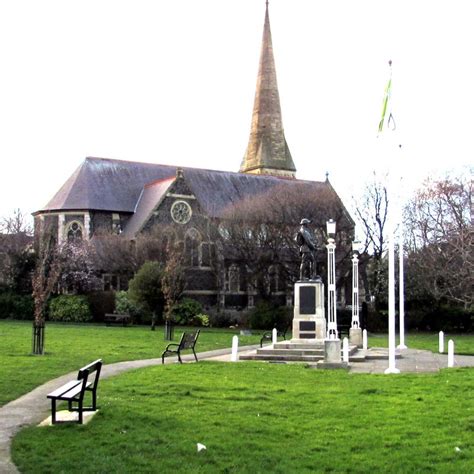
point(401, 282)
point(386, 120)
point(391, 369)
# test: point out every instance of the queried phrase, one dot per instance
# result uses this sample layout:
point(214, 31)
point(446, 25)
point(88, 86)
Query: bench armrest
point(171, 344)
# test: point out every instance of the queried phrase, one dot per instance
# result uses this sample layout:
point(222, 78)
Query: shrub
point(185, 311)
point(201, 320)
point(14, 306)
point(377, 321)
point(145, 290)
point(221, 319)
point(70, 308)
point(123, 305)
point(100, 303)
point(266, 315)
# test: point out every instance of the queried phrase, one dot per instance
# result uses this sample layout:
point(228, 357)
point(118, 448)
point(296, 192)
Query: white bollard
point(441, 342)
point(274, 336)
point(450, 353)
point(364, 339)
point(345, 350)
point(234, 357)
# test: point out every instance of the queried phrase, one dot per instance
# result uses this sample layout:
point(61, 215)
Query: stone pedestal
point(309, 323)
point(355, 337)
point(332, 351)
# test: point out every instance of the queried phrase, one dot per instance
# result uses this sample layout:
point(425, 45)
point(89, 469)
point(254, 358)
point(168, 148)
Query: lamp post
point(355, 323)
point(355, 331)
point(331, 246)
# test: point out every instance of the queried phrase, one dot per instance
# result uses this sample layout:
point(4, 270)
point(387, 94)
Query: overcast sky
point(173, 82)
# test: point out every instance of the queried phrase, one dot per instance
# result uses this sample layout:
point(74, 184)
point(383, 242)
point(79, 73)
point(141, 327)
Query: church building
point(131, 198)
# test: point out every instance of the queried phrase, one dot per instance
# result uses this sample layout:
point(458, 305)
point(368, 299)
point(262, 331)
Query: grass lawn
point(69, 347)
point(255, 417)
point(463, 343)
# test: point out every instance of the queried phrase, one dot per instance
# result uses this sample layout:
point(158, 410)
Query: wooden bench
point(74, 391)
point(188, 341)
point(268, 336)
point(123, 319)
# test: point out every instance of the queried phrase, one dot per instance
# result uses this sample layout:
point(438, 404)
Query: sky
point(173, 82)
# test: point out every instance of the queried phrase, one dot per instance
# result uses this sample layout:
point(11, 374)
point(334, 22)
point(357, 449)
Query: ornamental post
point(331, 247)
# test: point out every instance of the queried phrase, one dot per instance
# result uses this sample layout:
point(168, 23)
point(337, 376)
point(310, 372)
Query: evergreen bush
point(186, 311)
point(201, 320)
point(15, 306)
point(101, 303)
point(123, 305)
point(70, 308)
point(267, 315)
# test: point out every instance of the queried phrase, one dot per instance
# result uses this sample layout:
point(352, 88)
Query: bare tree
point(46, 275)
point(259, 232)
point(173, 282)
point(16, 252)
point(440, 240)
point(371, 210)
point(16, 224)
point(79, 271)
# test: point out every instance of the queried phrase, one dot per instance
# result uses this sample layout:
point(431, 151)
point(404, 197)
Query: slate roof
point(150, 197)
point(111, 185)
point(108, 185)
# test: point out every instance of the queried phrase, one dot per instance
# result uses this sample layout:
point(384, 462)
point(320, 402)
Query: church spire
point(267, 151)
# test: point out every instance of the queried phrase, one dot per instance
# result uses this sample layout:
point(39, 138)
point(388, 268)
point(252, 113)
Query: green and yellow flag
point(387, 119)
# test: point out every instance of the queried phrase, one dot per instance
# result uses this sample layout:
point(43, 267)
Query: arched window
point(191, 244)
point(74, 232)
point(233, 279)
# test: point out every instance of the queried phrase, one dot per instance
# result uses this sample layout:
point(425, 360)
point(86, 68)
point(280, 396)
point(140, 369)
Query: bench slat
point(69, 392)
point(65, 388)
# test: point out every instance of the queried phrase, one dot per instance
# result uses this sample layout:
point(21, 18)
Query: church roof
point(267, 150)
point(126, 186)
point(108, 185)
point(152, 194)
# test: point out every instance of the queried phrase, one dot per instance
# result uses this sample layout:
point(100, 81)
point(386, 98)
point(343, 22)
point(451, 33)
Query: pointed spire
point(267, 151)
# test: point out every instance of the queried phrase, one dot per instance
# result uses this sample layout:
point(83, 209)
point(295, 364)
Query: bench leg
point(80, 409)
point(179, 358)
point(53, 411)
point(195, 356)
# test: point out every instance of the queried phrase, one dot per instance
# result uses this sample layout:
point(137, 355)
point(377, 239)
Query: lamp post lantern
point(331, 246)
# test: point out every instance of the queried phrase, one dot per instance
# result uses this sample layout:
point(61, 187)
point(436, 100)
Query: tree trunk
point(38, 326)
point(153, 320)
point(38, 338)
point(169, 330)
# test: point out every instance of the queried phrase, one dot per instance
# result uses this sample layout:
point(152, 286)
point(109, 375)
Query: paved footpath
point(32, 408)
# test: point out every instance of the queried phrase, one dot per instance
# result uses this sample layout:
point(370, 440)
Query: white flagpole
point(391, 369)
point(401, 284)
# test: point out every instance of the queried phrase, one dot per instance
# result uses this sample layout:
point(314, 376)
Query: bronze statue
point(305, 239)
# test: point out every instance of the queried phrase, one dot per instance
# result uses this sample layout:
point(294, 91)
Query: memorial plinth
point(309, 323)
point(355, 337)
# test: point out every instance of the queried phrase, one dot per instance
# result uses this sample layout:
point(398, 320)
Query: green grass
point(69, 347)
point(463, 343)
point(257, 417)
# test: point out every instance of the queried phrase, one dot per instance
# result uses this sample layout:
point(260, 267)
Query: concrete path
point(32, 408)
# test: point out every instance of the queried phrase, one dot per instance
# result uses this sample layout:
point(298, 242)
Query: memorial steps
point(289, 351)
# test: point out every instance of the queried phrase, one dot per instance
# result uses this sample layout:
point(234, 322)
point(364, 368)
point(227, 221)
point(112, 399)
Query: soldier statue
point(307, 243)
